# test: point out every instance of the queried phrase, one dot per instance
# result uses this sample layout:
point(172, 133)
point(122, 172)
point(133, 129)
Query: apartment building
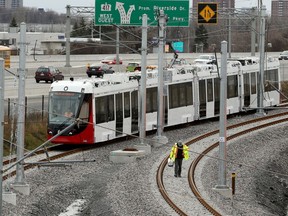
point(279, 8)
point(11, 4)
point(221, 3)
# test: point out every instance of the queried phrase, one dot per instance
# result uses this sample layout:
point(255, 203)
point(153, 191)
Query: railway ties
point(177, 192)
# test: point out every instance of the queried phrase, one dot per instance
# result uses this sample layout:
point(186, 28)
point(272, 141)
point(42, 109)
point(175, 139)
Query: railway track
point(41, 157)
point(171, 193)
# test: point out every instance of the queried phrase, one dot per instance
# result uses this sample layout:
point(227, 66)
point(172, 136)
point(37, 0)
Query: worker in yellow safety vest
point(178, 152)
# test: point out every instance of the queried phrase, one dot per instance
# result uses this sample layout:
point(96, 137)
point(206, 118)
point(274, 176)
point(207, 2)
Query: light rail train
point(108, 108)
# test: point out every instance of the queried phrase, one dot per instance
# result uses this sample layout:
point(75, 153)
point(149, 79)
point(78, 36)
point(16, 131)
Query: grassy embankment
point(35, 133)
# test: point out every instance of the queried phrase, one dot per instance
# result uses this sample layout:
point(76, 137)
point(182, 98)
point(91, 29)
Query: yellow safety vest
point(174, 151)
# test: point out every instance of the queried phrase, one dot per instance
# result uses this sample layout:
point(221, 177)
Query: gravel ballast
point(127, 189)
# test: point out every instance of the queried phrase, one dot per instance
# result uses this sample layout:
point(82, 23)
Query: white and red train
point(109, 108)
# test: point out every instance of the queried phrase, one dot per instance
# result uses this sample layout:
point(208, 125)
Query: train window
point(217, 89)
point(253, 83)
point(202, 98)
point(180, 95)
point(189, 93)
point(104, 109)
point(173, 96)
point(209, 90)
point(272, 77)
point(232, 86)
point(151, 100)
point(110, 107)
point(84, 112)
point(217, 96)
point(101, 114)
point(126, 105)
point(134, 107)
point(202, 91)
point(246, 84)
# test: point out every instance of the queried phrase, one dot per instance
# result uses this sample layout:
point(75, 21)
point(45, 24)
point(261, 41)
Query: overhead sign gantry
point(129, 12)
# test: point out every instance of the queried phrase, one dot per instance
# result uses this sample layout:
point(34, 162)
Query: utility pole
point(143, 80)
point(253, 31)
point(68, 30)
point(142, 126)
point(160, 112)
point(117, 45)
point(19, 183)
point(260, 89)
point(222, 187)
point(229, 29)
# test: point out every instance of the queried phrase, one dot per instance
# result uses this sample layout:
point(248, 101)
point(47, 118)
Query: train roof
point(120, 81)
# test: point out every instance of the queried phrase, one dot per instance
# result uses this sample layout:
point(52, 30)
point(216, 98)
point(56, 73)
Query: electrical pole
point(229, 29)
point(19, 183)
point(142, 95)
point(223, 119)
point(68, 30)
point(260, 89)
point(253, 31)
point(160, 112)
point(143, 80)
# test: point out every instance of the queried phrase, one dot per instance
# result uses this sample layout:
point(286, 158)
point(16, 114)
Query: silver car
point(205, 59)
point(283, 55)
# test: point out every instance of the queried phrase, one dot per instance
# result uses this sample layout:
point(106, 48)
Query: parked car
point(283, 55)
point(206, 59)
point(111, 60)
point(99, 70)
point(133, 66)
point(48, 74)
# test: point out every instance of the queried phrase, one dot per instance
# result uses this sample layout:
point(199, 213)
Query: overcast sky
point(60, 5)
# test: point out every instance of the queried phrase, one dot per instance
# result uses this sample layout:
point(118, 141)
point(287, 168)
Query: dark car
point(111, 60)
point(283, 55)
point(48, 74)
point(99, 70)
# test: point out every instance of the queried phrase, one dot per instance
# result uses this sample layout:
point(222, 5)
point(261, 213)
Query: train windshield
point(64, 107)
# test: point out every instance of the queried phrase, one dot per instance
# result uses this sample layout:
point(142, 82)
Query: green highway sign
point(129, 12)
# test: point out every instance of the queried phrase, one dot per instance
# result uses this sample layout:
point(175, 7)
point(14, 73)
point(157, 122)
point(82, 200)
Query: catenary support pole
point(260, 89)
point(1, 127)
point(229, 29)
point(143, 80)
point(68, 30)
point(160, 111)
point(253, 31)
point(223, 119)
point(21, 106)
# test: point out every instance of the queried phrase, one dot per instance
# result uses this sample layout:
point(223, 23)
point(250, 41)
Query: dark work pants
point(178, 166)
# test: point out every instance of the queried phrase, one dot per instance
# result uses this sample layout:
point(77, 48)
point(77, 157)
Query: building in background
point(11, 4)
point(279, 9)
point(221, 3)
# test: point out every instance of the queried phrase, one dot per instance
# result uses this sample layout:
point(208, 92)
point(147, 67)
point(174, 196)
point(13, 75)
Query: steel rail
point(191, 172)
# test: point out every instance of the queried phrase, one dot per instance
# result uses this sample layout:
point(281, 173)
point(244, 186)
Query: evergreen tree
point(201, 36)
point(75, 30)
point(83, 28)
point(13, 22)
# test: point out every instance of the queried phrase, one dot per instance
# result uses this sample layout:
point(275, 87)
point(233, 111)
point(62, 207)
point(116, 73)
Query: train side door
point(134, 111)
point(217, 96)
point(202, 98)
point(119, 114)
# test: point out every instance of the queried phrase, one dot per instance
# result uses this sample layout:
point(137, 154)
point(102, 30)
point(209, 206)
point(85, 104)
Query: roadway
point(78, 64)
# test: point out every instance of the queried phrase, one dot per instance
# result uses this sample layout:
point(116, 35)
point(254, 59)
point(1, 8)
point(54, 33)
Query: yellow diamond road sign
point(207, 13)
